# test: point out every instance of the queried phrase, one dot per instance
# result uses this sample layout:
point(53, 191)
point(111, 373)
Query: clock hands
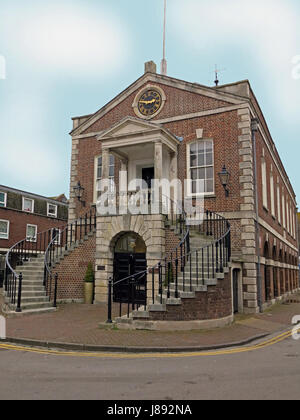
point(148, 102)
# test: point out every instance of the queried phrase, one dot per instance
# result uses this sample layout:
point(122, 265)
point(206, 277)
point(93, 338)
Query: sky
point(64, 58)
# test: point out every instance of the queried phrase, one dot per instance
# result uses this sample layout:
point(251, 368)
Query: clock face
point(149, 103)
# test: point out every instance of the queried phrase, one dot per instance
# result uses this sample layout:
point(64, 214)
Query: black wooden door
point(126, 265)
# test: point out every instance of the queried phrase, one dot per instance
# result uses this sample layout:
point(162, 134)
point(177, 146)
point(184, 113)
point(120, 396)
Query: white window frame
point(283, 210)
point(48, 207)
point(189, 169)
point(34, 239)
point(8, 226)
point(5, 199)
point(96, 178)
point(278, 204)
point(23, 204)
point(272, 195)
point(264, 183)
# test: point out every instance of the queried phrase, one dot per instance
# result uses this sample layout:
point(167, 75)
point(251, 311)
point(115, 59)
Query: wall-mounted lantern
point(224, 176)
point(79, 190)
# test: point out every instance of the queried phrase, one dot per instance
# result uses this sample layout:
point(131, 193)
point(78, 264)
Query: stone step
point(36, 289)
point(36, 305)
point(195, 287)
point(34, 299)
point(33, 293)
point(30, 271)
point(31, 311)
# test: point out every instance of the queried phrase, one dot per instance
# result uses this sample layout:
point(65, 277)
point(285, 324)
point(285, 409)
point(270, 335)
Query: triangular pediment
point(165, 81)
point(128, 126)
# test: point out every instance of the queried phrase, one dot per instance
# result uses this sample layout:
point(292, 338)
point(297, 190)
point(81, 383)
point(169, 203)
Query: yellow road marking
point(259, 346)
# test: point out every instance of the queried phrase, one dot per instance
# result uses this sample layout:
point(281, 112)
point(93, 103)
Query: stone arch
point(267, 272)
point(118, 236)
point(276, 285)
point(151, 228)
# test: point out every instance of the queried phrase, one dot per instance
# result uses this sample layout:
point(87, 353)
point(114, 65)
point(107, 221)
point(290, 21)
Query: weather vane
point(217, 71)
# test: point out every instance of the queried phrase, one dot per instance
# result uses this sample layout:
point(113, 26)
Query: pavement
point(77, 327)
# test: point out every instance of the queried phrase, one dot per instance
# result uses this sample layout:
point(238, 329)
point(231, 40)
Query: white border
point(188, 169)
point(5, 199)
point(36, 233)
point(31, 199)
point(8, 227)
point(52, 215)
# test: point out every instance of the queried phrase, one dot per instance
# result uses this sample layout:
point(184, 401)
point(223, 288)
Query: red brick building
point(214, 123)
point(25, 215)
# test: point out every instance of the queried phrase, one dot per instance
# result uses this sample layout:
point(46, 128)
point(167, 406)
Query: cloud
point(27, 153)
point(266, 30)
point(71, 39)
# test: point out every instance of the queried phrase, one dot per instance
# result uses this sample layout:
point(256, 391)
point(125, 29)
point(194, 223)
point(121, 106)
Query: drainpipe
point(254, 129)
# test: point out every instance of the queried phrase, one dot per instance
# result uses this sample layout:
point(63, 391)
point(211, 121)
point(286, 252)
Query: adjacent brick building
point(188, 131)
point(25, 215)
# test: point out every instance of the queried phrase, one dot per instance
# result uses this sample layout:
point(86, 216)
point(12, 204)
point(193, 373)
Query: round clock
point(150, 102)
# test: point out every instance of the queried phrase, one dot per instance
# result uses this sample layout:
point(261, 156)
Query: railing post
point(109, 306)
point(19, 294)
point(55, 291)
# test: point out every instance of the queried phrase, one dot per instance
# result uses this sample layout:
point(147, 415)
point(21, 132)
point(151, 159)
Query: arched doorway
point(275, 271)
point(130, 259)
point(267, 274)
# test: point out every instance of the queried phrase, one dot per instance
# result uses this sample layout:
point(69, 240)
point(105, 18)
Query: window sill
point(193, 196)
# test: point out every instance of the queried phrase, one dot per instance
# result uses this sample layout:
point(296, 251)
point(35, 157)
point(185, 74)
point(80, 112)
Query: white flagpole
point(164, 61)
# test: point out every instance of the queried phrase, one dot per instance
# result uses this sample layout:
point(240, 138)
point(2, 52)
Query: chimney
point(150, 67)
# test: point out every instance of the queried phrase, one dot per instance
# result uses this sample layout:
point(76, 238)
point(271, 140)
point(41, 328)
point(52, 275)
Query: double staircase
point(30, 282)
point(34, 297)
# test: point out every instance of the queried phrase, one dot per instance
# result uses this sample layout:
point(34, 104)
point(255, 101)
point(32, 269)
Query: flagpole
point(164, 61)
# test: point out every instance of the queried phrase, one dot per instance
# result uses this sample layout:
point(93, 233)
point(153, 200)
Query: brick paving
point(76, 323)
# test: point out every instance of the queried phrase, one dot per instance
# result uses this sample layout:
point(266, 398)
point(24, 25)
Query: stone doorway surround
point(151, 228)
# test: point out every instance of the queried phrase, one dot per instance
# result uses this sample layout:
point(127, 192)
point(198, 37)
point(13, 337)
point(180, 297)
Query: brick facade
point(72, 269)
point(224, 114)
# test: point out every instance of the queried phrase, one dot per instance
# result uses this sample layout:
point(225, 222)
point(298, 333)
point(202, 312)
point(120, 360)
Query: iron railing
point(182, 269)
point(21, 252)
point(64, 241)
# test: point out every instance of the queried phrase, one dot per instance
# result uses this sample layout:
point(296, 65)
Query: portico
point(146, 150)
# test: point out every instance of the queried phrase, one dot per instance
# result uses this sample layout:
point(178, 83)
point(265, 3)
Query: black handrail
point(16, 256)
point(62, 242)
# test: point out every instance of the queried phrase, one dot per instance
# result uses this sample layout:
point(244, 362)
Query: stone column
point(105, 163)
point(158, 160)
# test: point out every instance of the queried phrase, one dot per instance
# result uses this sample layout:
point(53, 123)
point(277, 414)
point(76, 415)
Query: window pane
point(28, 205)
point(111, 160)
point(193, 148)
point(201, 173)
point(201, 146)
point(209, 186)
point(193, 160)
point(52, 209)
point(201, 159)
point(209, 173)
point(209, 159)
point(209, 146)
point(194, 174)
point(31, 232)
point(111, 171)
point(2, 199)
point(3, 228)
